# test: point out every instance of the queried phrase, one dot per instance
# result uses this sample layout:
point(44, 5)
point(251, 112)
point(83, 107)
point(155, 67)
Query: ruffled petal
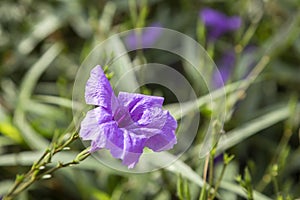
point(138, 103)
point(166, 139)
point(133, 148)
point(106, 130)
point(115, 143)
point(98, 90)
point(152, 122)
point(126, 146)
point(90, 125)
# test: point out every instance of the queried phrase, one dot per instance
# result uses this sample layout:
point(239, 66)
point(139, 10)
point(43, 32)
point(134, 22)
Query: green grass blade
point(277, 114)
point(40, 31)
point(4, 186)
point(33, 139)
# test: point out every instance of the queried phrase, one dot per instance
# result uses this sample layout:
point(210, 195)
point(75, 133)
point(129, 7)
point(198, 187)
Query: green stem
point(287, 134)
point(219, 181)
point(211, 168)
point(32, 175)
point(203, 191)
point(276, 187)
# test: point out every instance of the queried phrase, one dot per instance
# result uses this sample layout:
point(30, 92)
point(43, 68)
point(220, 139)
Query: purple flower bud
point(218, 23)
point(145, 38)
point(225, 67)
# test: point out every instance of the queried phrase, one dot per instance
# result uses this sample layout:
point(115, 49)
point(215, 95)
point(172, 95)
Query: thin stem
point(202, 195)
point(31, 176)
point(287, 134)
point(219, 181)
point(211, 174)
point(43, 156)
point(252, 76)
point(211, 168)
point(68, 142)
point(11, 191)
point(275, 183)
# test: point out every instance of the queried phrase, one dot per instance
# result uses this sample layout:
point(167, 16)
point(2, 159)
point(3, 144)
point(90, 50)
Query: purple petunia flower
point(225, 67)
point(127, 123)
point(218, 23)
point(145, 38)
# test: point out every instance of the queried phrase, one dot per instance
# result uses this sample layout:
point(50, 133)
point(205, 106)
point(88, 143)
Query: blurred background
point(43, 43)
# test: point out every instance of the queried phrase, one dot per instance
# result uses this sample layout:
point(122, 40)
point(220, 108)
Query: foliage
point(42, 45)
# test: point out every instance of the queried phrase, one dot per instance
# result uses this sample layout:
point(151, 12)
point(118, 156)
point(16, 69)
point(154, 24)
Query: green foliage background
point(42, 44)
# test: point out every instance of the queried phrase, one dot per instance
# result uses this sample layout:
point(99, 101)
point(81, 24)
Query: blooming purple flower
point(127, 123)
point(218, 23)
point(225, 67)
point(145, 38)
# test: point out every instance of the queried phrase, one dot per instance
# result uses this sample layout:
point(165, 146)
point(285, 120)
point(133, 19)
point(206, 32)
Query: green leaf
point(27, 158)
point(277, 114)
point(284, 37)
point(41, 30)
point(108, 13)
point(180, 167)
point(33, 139)
point(10, 131)
point(5, 186)
point(187, 190)
point(124, 76)
point(5, 141)
point(179, 110)
point(180, 187)
point(99, 195)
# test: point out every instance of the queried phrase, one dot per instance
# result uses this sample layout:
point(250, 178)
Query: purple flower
point(144, 39)
point(225, 67)
point(127, 123)
point(218, 23)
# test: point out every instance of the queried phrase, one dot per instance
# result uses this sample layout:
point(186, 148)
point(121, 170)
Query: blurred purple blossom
point(225, 67)
point(227, 63)
point(144, 39)
point(218, 23)
point(127, 123)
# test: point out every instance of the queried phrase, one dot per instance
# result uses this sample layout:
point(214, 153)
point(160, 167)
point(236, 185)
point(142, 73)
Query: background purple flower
point(145, 38)
point(218, 23)
point(225, 67)
point(127, 123)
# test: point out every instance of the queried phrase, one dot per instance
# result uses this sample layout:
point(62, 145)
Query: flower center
point(122, 117)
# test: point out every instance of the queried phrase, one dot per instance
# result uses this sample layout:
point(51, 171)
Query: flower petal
point(212, 17)
point(152, 122)
point(126, 146)
point(225, 68)
point(106, 130)
point(138, 103)
point(218, 23)
point(115, 143)
point(90, 125)
point(133, 148)
point(144, 39)
point(234, 23)
point(98, 90)
point(167, 139)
